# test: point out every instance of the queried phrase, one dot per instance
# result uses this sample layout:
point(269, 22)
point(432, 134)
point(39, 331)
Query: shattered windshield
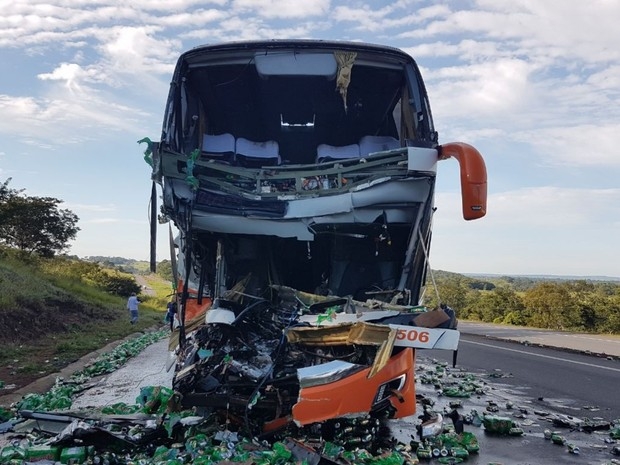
point(300, 98)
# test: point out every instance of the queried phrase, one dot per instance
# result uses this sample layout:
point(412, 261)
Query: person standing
point(132, 306)
point(171, 312)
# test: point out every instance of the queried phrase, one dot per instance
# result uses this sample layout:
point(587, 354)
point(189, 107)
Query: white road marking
point(591, 338)
point(541, 355)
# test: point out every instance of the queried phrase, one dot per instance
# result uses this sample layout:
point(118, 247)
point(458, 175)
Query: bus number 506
point(412, 335)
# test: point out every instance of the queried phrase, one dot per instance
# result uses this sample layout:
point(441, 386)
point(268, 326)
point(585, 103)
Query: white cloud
point(19, 115)
point(607, 79)
point(104, 239)
point(81, 102)
point(198, 18)
point(466, 50)
point(540, 76)
point(88, 208)
point(281, 8)
point(559, 29)
point(72, 75)
point(546, 207)
point(129, 50)
point(543, 230)
point(479, 91)
point(66, 116)
point(387, 18)
point(103, 220)
point(579, 145)
point(245, 28)
point(171, 5)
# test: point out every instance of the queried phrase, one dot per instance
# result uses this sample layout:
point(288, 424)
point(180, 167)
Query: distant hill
point(136, 267)
point(141, 266)
point(113, 260)
point(128, 265)
point(610, 279)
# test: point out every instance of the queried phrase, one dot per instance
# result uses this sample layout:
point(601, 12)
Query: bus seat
point(256, 154)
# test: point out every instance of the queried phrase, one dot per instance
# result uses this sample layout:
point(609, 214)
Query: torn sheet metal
point(356, 333)
point(391, 387)
point(326, 373)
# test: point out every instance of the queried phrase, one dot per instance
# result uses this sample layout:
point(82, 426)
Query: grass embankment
point(54, 311)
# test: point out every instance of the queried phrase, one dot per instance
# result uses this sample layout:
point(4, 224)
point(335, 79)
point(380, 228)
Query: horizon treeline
point(575, 305)
point(540, 302)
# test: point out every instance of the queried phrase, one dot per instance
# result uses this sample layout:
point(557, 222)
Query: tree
point(612, 320)
point(35, 224)
point(164, 269)
point(495, 305)
point(481, 285)
point(6, 193)
point(550, 305)
point(452, 292)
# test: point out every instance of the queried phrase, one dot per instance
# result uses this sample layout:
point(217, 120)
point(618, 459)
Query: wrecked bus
point(300, 175)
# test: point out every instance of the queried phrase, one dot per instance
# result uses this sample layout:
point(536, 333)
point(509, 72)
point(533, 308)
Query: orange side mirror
point(473, 177)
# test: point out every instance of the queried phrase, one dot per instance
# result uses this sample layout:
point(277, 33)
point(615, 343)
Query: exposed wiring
point(430, 270)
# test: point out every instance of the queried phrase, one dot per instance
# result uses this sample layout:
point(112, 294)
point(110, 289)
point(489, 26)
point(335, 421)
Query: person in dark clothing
point(171, 311)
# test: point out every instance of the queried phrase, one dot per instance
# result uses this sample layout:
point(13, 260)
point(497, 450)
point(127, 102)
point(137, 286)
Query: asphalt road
point(601, 344)
point(534, 379)
point(549, 378)
point(568, 379)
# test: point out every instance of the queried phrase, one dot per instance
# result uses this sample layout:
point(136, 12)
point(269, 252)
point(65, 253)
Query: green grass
point(53, 311)
point(12, 354)
point(141, 267)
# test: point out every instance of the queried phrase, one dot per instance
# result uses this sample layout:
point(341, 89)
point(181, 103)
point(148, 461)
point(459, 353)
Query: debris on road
point(157, 430)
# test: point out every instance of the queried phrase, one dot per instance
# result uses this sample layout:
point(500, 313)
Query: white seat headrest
point(344, 152)
point(372, 144)
point(220, 143)
point(267, 149)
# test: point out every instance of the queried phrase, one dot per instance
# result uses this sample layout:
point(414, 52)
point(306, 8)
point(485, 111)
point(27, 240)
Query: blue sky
point(535, 86)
